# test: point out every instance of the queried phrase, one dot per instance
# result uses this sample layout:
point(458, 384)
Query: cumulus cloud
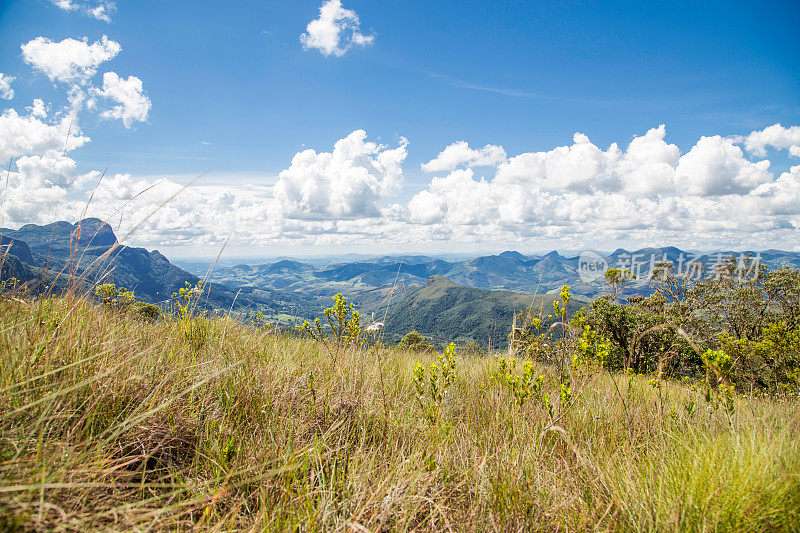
point(460, 154)
point(69, 60)
point(581, 192)
point(6, 92)
point(775, 136)
point(30, 135)
point(42, 171)
point(43, 181)
point(578, 167)
point(38, 109)
point(335, 32)
point(577, 194)
point(715, 166)
point(132, 104)
point(648, 165)
point(345, 183)
point(98, 9)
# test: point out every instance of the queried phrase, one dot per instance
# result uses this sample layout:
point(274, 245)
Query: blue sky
point(232, 87)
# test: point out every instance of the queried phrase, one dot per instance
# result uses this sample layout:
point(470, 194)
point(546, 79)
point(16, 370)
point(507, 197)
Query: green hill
point(446, 311)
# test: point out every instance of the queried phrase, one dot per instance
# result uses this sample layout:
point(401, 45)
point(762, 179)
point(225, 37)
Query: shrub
point(146, 311)
point(111, 296)
point(415, 342)
point(747, 314)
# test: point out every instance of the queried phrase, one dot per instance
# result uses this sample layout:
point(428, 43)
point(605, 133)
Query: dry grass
point(108, 422)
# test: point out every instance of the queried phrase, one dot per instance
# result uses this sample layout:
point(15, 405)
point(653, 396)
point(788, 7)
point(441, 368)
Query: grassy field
point(110, 422)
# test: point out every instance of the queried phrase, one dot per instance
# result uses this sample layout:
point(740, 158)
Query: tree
point(616, 278)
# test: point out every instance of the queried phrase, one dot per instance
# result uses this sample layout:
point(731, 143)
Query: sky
point(310, 127)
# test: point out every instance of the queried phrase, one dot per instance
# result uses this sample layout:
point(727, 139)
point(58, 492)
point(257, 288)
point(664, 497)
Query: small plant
point(343, 323)
point(718, 390)
point(8, 285)
point(431, 392)
point(522, 386)
point(195, 329)
point(593, 351)
point(689, 408)
point(560, 307)
point(186, 299)
point(565, 394)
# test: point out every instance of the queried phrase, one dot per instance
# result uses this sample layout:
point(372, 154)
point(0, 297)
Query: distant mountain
point(455, 299)
point(89, 248)
point(509, 270)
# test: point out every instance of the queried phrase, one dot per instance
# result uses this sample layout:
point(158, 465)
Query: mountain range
point(471, 299)
point(511, 271)
point(54, 255)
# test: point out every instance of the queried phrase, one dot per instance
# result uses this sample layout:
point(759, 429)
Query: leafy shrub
point(522, 386)
point(146, 311)
point(771, 363)
point(743, 315)
point(111, 296)
point(415, 342)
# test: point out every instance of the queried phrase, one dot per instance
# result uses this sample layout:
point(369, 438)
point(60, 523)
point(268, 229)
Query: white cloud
point(347, 182)
point(572, 195)
point(99, 9)
point(715, 166)
point(578, 167)
point(582, 194)
point(775, 136)
point(133, 104)
point(6, 92)
point(648, 165)
point(70, 60)
point(38, 109)
point(43, 180)
point(29, 135)
point(335, 31)
point(459, 153)
point(46, 170)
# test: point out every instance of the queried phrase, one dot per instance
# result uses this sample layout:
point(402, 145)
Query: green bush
point(146, 311)
point(753, 319)
point(415, 342)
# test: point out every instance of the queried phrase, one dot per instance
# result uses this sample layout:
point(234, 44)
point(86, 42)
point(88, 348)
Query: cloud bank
point(721, 189)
